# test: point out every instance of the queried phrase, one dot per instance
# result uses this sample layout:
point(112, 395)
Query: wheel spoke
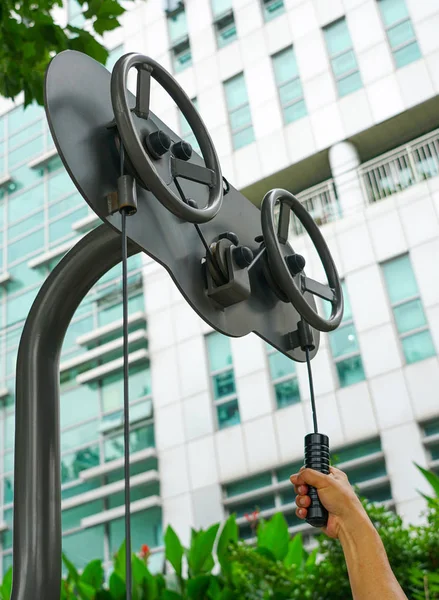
point(143, 91)
point(318, 289)
point(283, 226)
point(188, 170)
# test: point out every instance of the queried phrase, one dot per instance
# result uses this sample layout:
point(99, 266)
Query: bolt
point(296, 263)
point(182, 150)
point(157, 143)
point(243, 256)
point(191, 202)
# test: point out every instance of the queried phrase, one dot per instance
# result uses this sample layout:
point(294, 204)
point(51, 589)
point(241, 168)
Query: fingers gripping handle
point(317, 458)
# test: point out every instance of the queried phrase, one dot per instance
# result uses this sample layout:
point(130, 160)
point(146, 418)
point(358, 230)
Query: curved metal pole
point(37, 486)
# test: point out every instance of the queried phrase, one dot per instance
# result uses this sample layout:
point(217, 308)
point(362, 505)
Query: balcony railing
point(321, 202)
point(401, 168)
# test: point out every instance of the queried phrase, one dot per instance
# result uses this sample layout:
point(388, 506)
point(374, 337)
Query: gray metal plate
point(78, 108)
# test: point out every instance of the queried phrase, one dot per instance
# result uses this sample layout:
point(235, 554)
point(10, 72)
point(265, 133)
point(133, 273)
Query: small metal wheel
point(143, 158)
point(286, 266)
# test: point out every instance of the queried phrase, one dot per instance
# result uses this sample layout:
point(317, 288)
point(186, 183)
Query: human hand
point(335, 493)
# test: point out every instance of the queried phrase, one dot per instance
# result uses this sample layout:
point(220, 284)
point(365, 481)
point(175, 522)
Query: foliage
point(31, 36)
point(219, 566)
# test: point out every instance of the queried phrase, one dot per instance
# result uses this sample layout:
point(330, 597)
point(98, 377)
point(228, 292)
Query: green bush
point(275, 567)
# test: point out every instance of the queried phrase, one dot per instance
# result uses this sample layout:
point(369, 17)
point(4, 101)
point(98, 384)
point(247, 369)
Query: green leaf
point(201, 550)
point(87, 591)
point(170, 595)
point(311, 560)
point(229, 535)
point(120, 562)
point(295, 554)
point(101, 25)
point(173, 550)
point(6, 587)
point(197, 587)
point(104, 595)
point(93, 574)
point(432, 479)
point(117, 586)
point(71, 569)
point(273, 535)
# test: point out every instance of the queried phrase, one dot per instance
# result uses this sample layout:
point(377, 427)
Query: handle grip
point(317, 458)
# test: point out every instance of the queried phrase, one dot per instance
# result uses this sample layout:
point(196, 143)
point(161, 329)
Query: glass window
point(239, 111)
point(63, 227)
point(272, 8)
point(400, 32)
point(228, 414)
point(177, 25)
point(140, 439)
point(30, 198)
point(248, 485)
point(221, 6)
point(23, 277)
point(79, 404)
point(409, 316)
point(350, 371)
point(18, 308)
point(59, 184)
point(71, 518)
point(344, 345)
point(8, 483)
point(84, 546)
point(182, 55)
point(7, 535)
point(287, 393)
point(418, 347)
point(343, 341)
point(223, 378)
point(77, 328)
point(24, 153)
point(400, 279)
point(219, 351)
point(280, 365)
point(186, 131)
point(146, 529)
point(223, 385)
point(408, 311)
point(79, 436)
point(26, 225)
point(26, 245)
point(343, 59)
point(225, 28)
point(354, 451)
point(58, 208)
point(21, 117)
point(289, 85)
point(73, 464)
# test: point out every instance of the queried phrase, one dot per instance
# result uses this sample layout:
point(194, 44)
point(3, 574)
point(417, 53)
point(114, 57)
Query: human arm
point(370, 574)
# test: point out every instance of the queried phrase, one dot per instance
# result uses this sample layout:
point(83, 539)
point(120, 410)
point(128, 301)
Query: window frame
point(332, 57)
point(387, 28)
point(393, 305)
point(284, 107)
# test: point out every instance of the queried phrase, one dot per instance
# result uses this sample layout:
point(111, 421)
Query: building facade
point(335, 101)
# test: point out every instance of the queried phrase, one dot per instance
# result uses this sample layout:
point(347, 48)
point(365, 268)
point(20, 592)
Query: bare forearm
point(369, 570)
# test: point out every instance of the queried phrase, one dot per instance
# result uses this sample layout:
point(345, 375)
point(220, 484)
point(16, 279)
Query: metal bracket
point(236, 289)
point(301, 338)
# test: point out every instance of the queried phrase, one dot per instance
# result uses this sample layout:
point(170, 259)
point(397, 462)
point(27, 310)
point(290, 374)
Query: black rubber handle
point(317, 458)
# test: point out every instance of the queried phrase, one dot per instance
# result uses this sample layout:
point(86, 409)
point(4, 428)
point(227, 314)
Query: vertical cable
point(126, 403)
point(311, 389)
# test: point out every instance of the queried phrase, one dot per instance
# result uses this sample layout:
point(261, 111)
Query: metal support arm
point(37, 486)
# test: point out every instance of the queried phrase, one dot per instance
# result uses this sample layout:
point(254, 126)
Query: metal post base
point(37, 486)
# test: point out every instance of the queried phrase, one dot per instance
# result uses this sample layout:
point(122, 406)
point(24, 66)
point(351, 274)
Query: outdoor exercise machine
point(232, 262)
